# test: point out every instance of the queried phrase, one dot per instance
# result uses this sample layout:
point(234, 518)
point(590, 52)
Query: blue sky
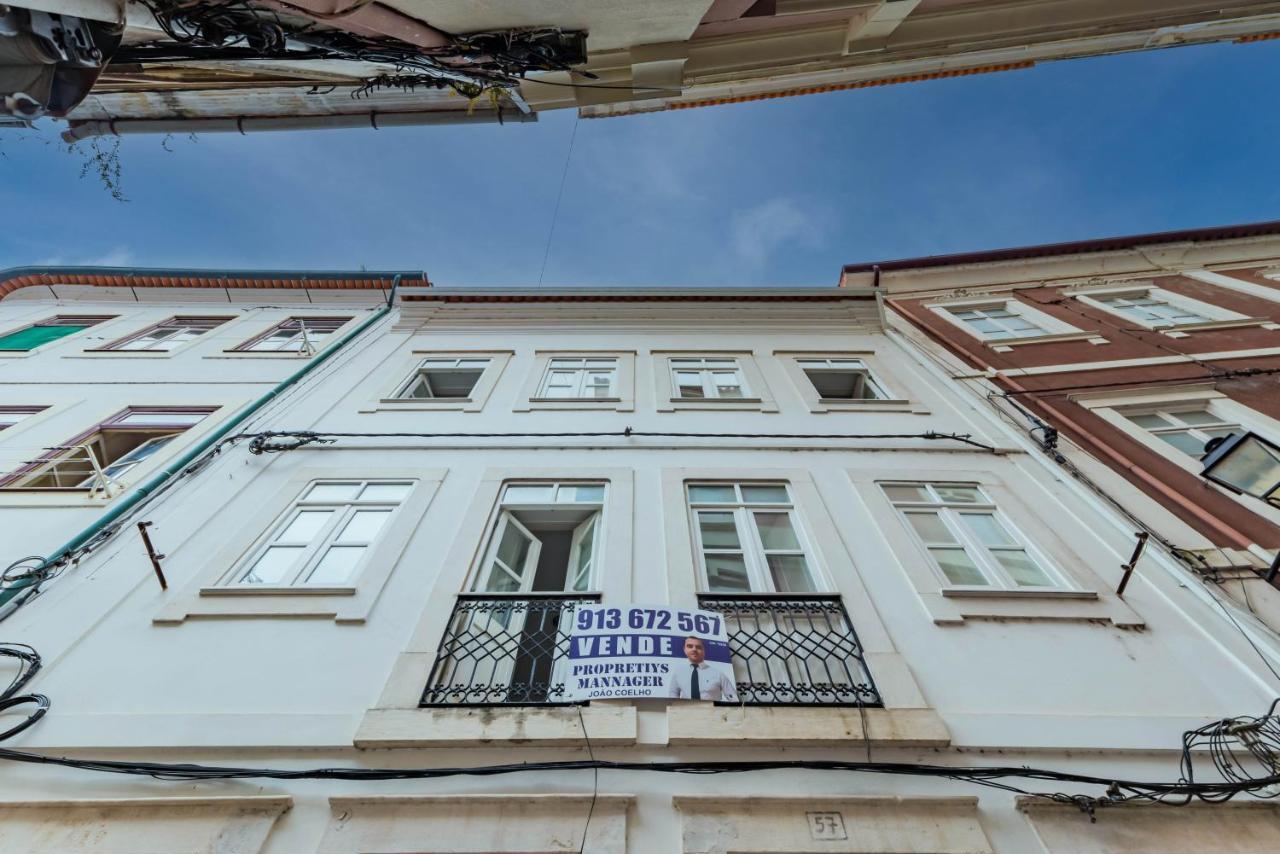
point(777, 192)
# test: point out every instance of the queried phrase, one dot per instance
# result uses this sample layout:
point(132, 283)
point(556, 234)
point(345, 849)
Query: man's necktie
point(695, 690)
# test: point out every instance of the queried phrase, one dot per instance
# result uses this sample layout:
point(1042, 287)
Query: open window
point(444, 379)
point(98, 459)
point(545, 539)
point(841, 379)
point(507, 641)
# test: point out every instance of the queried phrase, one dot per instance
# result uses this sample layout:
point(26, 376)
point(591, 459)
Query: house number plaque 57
point(826, 825)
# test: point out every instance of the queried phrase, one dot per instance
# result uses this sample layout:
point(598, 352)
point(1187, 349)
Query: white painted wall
point(1060, 686)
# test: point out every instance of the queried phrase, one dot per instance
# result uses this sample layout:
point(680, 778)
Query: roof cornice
point(17, 278)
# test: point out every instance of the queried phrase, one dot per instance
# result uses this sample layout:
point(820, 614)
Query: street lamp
point(1244, 463)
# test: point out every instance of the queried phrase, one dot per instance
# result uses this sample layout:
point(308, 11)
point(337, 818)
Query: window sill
point(1005, 345)
point(1184, 330)
point(578, 401)
point(277, 591)
point(260, 354)
point(998, 593)
point(121, 354)
point(606, 722)
point(706, 725)
point(394, 404)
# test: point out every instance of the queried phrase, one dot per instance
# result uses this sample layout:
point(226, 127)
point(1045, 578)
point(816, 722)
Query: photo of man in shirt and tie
point(694, 679)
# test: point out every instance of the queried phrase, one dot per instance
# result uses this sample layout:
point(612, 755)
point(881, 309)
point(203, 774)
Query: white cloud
point(756, 233)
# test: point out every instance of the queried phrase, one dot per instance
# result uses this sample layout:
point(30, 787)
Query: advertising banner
point(620, 651)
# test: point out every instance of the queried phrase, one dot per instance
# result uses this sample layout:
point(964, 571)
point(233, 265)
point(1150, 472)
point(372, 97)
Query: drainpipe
point(24, 589)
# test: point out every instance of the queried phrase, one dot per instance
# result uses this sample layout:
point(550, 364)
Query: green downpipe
point(138, 495)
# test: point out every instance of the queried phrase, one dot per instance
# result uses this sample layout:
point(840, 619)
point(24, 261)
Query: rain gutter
point(12, 597)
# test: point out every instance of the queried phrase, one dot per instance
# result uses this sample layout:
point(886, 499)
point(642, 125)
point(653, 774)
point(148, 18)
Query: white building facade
point(385, 581)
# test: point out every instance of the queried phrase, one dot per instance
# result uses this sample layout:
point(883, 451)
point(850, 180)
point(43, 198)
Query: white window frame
point(1171, 412)
point(1115, 407)
point(707, 370)
point(387, 397)
point(755, 555)
point(173, 325)
point(424, 368)
point(504, 517)
point(623, 398)
point(1215, 316)
point(949, 513)
point(246, 347)
point(581, 371)
point(313, 551)
point(1055, 329)
point(756, 394)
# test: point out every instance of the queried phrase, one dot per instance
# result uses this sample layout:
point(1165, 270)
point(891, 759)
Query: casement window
point(580, 379)
point(295, 335)
point(11, 415)
point(995, 323)
point(970, 544)
point(545, 538)
point(708, 379)
point(46, 331)
point(99, 458)
point(748, 538)
point(1188, 430)
point(1149, 310)
point(842, 379)
point(444, 379)
point(168, 334)
point(323, 540)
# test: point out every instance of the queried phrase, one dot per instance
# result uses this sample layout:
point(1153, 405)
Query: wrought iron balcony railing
point(509, 650)
point(794, 650)
point(504, 650)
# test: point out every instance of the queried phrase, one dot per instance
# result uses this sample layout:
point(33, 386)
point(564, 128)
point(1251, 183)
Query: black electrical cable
point(315, 436)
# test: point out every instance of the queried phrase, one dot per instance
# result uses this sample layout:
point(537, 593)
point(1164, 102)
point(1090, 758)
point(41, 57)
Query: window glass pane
point(776, 532)
point(764, 494)
point(1021, 568)
point(386, 492)
point(601, 363)
point(1197, 416)
point(1149, 420)
point(337, 565)
point(957, 566)
point(305, 526)
point(583, 493)
point(905, 492)
point(449, 383)
point(711, 493)
point(988, 531)
point(530, 493)
point(273, 567)
point(332, 492)
point(689, 383)
point(930, 527)
point(958, 494)
point(718, 531)
point(790, 573)
point(473, 364)
point(364, 526)
point(1184, 442)
point(727, 574)
point(501, 581)
point(513, 548)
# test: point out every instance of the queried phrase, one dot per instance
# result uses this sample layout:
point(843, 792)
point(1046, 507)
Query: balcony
point(788, 650)
point(794, 650)
point(504, 650)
